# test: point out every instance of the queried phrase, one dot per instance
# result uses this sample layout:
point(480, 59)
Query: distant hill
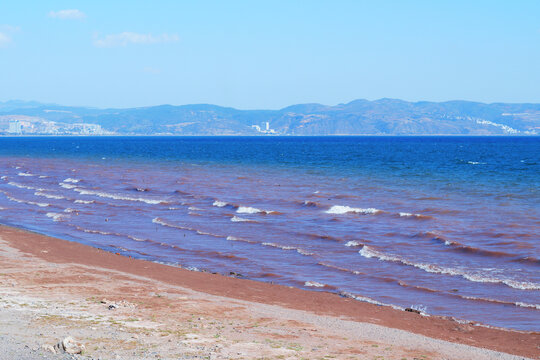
point(359, 117)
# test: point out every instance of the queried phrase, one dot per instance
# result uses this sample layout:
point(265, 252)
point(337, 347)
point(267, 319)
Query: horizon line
point(41, 104)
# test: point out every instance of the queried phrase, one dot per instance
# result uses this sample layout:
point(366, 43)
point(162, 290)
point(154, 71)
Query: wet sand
point(51, 288)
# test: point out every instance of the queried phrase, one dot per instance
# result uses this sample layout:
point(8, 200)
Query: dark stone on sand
point(412, 310)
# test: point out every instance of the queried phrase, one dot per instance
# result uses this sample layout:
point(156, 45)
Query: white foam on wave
point(117, 197)
point(368, 252)
point(159, 221)
point(100, 232)
point(518, 303)
point(22, 186)
point(67, 186)
point(218, 203)
point(136, 238)
point(43, 176)
point(239, 219)
point(208, 234)
point(49, 196)
point(11, 198)
point(194, 208)
point(234, 238)
point(248, 210)
point(164, 223)
point(3, 177)
point(69, 210)
point(353, 243)
point(78, 201)
point(54, 216)
point(285, 247)
point(475, 163)
point(340, 209)
point(369, 300)
point(25, 174)
point(525, 305)
point(410, 215)
point(71, 180)
point(94, 231)
point(252, 210)
point(304, 252)
point(313, 284)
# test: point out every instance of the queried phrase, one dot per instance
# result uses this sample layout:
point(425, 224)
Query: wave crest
point(118, 197)
point(340, 209)
point(368, 252)
point(239, 219)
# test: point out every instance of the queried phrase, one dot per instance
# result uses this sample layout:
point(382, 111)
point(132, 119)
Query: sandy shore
point(122, 308)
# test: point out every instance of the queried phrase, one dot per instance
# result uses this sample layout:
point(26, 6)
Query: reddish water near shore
point(449, 226)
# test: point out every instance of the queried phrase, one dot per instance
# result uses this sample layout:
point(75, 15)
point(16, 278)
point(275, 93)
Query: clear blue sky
point(268, 54)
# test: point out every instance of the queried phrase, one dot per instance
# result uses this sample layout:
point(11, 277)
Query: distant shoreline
point(380, 117)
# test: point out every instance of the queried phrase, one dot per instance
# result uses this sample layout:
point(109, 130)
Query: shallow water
point(447, 224)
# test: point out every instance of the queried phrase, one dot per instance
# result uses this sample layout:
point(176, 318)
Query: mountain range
point(358, 117)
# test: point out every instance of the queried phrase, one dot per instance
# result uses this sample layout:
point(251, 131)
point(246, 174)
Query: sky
point(268, 54)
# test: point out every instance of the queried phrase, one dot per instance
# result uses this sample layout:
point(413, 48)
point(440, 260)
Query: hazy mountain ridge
point(358, 117)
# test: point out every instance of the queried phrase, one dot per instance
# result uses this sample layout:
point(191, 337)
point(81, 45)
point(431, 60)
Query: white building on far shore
point(15, 127)
point(265, 129)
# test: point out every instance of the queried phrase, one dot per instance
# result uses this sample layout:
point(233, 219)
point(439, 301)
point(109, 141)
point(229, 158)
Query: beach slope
point(124, 308)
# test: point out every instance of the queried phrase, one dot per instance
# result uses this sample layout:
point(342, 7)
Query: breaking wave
point(415, 216)
point(118, 197)
point(55, 216)
point(164, 223)
point(459, 247)
point(242, 209)
point(285, 247)
point(78, 201)
point(11, 198)
point(49, 196)
point(369, 300)
point(339, 209)
point(71, 180)
point(252, 210)
point(67, 186)
point(234, 238)
point(21, 186)
point(199, 232)
point(239, 219)
point(368, 252)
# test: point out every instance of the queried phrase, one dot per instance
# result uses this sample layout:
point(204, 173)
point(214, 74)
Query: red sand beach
point(53, 288)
